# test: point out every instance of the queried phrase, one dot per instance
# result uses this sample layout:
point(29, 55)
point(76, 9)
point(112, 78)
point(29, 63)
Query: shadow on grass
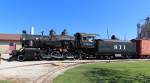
point(105, 75)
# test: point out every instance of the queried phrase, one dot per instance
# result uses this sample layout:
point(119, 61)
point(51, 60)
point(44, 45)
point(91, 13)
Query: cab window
point(90, 39)
point(84, 38)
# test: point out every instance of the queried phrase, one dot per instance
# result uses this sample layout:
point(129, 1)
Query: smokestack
point(32, 30)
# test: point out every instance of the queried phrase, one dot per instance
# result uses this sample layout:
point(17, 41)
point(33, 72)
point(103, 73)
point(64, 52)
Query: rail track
point(73, 61)
point(61, 66)
point(50, 75)
point(23, 66)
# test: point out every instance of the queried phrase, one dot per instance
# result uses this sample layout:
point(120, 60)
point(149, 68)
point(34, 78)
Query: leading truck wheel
point(20, 58)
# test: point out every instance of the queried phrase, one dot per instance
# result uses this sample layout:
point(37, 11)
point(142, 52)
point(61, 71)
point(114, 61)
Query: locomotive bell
point(24, 32)
point(52, 32)
point(64, 32)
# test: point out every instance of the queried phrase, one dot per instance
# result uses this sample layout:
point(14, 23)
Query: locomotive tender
point(64, 46)
point(116, 48)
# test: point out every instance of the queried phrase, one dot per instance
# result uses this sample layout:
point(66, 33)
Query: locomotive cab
point(85, 45)
point(84, 40)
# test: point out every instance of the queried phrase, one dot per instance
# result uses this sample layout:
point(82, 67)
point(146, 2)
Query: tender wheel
point(36, 57)
point(20, 58)
point(112, 57)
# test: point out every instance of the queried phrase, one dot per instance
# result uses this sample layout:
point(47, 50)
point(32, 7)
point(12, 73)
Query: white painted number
point(115, 47)
point(120, 47)
point(124, 47)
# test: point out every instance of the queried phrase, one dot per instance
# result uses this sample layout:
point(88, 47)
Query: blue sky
point(91, 16)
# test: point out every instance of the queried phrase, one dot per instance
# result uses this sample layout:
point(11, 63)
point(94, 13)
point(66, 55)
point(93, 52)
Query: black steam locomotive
point(64, 46)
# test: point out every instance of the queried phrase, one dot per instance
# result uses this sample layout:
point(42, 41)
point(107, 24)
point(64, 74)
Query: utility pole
point(107, 33)
point(125, 36)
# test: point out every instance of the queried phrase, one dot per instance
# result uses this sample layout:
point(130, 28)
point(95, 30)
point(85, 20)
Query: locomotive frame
point(64, 46)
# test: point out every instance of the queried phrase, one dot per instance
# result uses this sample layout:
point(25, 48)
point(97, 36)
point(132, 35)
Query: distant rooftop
point(9, 37)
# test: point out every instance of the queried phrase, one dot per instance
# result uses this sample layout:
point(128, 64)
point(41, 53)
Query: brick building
point(9, 42)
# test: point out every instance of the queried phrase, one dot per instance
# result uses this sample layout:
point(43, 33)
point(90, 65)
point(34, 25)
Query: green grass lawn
point(4, 81)
point(114, 72)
